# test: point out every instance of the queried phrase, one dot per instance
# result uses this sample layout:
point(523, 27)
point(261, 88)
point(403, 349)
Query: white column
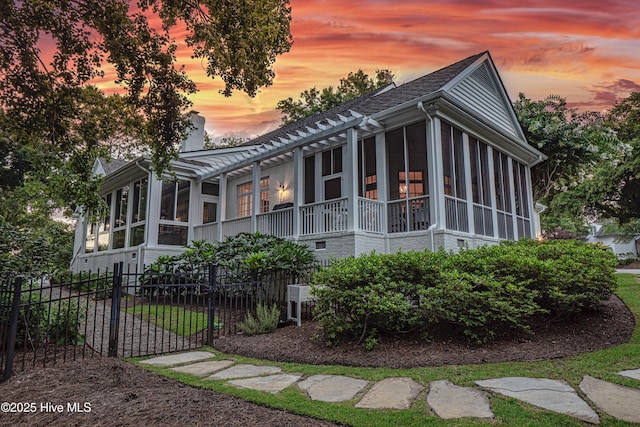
point(351, 175)
point(512, 195)
point(153, 209)
point(255, 189)
point(195, 210)
point(534, 218)
point(382, 177)
point(492, 188)
point(437, 197)
point(222, 205)
point(298, 189)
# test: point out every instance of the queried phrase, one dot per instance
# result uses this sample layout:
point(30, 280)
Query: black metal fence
point(120, 313)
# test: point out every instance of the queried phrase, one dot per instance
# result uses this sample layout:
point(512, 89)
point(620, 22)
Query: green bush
point(265, 320)
point(40, 320)
point(482, 293)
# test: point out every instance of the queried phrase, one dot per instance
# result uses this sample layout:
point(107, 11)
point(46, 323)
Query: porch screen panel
point(309, 179)
point(503, 195)
point(417, 150)
point(395, 157)
point(453, 171)
point(408, 207)
point(367, 178)
point(521, 199)
point(481, 188)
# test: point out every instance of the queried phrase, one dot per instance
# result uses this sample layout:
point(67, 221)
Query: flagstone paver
point(446, 399)
point(332, 388)
point(269, 384)
point(631, 373)
point(204, 368)
point(178, 358)
point(391, 393)
point(616, 400)
point(245, 371)
point(554, 395)
point(451, 401)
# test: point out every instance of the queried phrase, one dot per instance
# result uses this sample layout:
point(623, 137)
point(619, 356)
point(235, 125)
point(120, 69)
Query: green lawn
point(601, 364)
point(175, 319)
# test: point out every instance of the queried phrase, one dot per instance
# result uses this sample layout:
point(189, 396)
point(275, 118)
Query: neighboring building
point(623, 245)
point(440, 161)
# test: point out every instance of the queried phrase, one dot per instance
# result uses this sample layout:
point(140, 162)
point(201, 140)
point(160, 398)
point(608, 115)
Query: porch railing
point(408, 214)
point(457, 216)
point(370, 215)
point(206, 232)
point(324, 217)
point(236, 226)
point(278, 223)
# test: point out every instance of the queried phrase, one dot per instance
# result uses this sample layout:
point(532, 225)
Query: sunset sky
point(587, 51)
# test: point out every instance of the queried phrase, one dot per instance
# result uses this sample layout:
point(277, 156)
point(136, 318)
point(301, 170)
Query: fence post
point(13, 330)
point(116, 296)
point(213, 272)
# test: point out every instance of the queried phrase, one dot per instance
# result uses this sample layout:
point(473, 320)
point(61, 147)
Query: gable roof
point(376, 101)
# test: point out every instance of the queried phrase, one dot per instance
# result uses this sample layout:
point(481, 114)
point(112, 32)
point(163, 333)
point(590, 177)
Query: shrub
point(481, 293)
point(40, 320)
point(265, 321)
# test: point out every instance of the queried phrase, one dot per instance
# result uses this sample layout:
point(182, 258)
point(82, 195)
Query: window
point(408, 180)
point(210, 189)
point(480, 187)
point(174, 203)
point(138, 212)
point(104, 226)
point(209, 212)
point(453, 174)
point(367, 178)
point(120, 218)
point(332, 161)
point(174, 207)
point(264, 195)
point(332, 173)
point(90, 240)
point(210, 192)
point(245, 197)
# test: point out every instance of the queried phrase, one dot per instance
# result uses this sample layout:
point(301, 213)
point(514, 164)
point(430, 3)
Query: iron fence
point(120, 313)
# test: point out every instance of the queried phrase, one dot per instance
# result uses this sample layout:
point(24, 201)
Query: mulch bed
point(610, 326)
point(127, 395)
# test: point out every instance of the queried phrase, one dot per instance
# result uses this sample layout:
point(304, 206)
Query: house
point(440, 161)
point(623, 245)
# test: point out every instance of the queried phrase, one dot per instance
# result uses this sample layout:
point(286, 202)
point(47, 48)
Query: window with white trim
point(503, 195)
point(245, 197)
point(174, 209)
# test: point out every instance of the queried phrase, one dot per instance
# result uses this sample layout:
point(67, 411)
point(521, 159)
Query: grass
point(178, 320)
point(601, 364)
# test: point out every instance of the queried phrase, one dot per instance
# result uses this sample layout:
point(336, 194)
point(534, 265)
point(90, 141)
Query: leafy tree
point(313, 100)
point(50, 50)
point(573, 142)
point(613, 191)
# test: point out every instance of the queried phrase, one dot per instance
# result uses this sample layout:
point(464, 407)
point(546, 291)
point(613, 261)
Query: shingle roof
point(111, 165)
point(377, 100)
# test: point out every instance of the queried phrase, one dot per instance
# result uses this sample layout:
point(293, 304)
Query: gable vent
point(481, 75)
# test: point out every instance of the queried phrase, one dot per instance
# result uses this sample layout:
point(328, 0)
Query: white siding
point(479, 93)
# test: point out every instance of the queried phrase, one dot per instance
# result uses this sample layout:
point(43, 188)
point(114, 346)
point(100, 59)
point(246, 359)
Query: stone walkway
point(447, 400)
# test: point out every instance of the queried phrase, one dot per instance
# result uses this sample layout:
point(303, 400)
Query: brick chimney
point(195, 140)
